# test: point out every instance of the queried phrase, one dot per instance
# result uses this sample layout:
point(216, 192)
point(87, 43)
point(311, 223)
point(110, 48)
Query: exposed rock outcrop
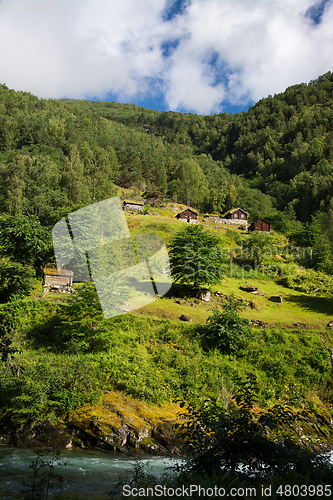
point(118, 423)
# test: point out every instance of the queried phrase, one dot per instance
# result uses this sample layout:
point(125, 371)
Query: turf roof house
point(187, 215)
point(235, 216)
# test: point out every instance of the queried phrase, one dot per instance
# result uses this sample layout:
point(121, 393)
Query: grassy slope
point(153, 356)
point(297, 307)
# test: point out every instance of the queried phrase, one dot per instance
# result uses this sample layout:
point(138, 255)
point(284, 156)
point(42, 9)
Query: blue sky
point(199, 56)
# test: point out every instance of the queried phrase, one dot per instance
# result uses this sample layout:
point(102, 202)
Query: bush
point(15, 278)
point(250, 441)
point(226, 330)
point(310, 282)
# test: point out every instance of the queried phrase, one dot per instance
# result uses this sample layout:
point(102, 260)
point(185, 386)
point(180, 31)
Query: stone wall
point(218, 220)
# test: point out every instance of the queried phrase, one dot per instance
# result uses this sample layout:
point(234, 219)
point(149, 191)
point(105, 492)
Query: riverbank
point(118, 423)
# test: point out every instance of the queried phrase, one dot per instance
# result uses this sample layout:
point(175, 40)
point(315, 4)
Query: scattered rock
point(257, 323)
point(185, 317)
point(276, 298)
point(220, 294)
point(249, 288)
point(258, 292)
point(300, 325)
point(330, 324)
point(253, 305)
point(205, 296)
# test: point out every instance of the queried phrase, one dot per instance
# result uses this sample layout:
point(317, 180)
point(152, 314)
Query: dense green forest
point(274, 160)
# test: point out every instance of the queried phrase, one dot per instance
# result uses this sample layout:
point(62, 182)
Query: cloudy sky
point(202, 56)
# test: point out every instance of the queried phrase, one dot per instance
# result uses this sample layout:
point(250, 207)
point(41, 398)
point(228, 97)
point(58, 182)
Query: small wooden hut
point(57, 278)
point(187, 215)
point(237, 213)
point(260, 225)
point(135, 207)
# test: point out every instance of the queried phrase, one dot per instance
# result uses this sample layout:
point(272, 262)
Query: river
point(87, 472)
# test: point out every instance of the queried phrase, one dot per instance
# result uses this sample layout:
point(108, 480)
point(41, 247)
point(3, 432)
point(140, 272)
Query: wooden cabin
point(130, 205)
point(57, 278)
point(260, 225)
point(237, 213)
point(188, 214)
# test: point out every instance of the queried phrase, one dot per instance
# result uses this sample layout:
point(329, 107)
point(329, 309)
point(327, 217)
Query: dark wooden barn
point(187, 214)
point(260, 225)
point(236, 213)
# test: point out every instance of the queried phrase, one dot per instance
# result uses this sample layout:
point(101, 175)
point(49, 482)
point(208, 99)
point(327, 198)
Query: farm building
point(57, 278)
point(260, 225)
point(130, 205)
point(187, 215)
point(237, 213)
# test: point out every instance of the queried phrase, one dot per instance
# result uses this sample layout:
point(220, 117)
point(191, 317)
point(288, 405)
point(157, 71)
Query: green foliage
point(81, 322)
point(25, 240)
point(246, 440)
point(15, 278)
point(152, 359)
point(315, 236)
point(42, 386)
point(226, 330)
point(262, 246)
point(190, 183)
point(258, 204)
point(6, 345)
point(195, 256)
point(310, 282)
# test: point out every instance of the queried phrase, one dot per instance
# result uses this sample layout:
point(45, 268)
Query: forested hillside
point(282, 145)
point(274, 161)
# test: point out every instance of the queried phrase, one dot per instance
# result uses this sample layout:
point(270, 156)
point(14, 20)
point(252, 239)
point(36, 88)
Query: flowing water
point(88, 472)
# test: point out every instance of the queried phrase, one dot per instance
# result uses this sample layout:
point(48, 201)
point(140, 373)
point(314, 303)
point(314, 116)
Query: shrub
point(248, 440)
point(15, 278)
point(226, 330)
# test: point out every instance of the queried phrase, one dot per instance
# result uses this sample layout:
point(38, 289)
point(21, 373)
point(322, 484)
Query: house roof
point(234, 210)
point(57, 272)
point(133, 203)
point(264, 220)
point(186, 210)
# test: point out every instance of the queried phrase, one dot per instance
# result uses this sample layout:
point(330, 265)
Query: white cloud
point(228, 50)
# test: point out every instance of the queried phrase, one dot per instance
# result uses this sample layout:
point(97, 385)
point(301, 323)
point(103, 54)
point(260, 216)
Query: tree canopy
point(195, 256)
